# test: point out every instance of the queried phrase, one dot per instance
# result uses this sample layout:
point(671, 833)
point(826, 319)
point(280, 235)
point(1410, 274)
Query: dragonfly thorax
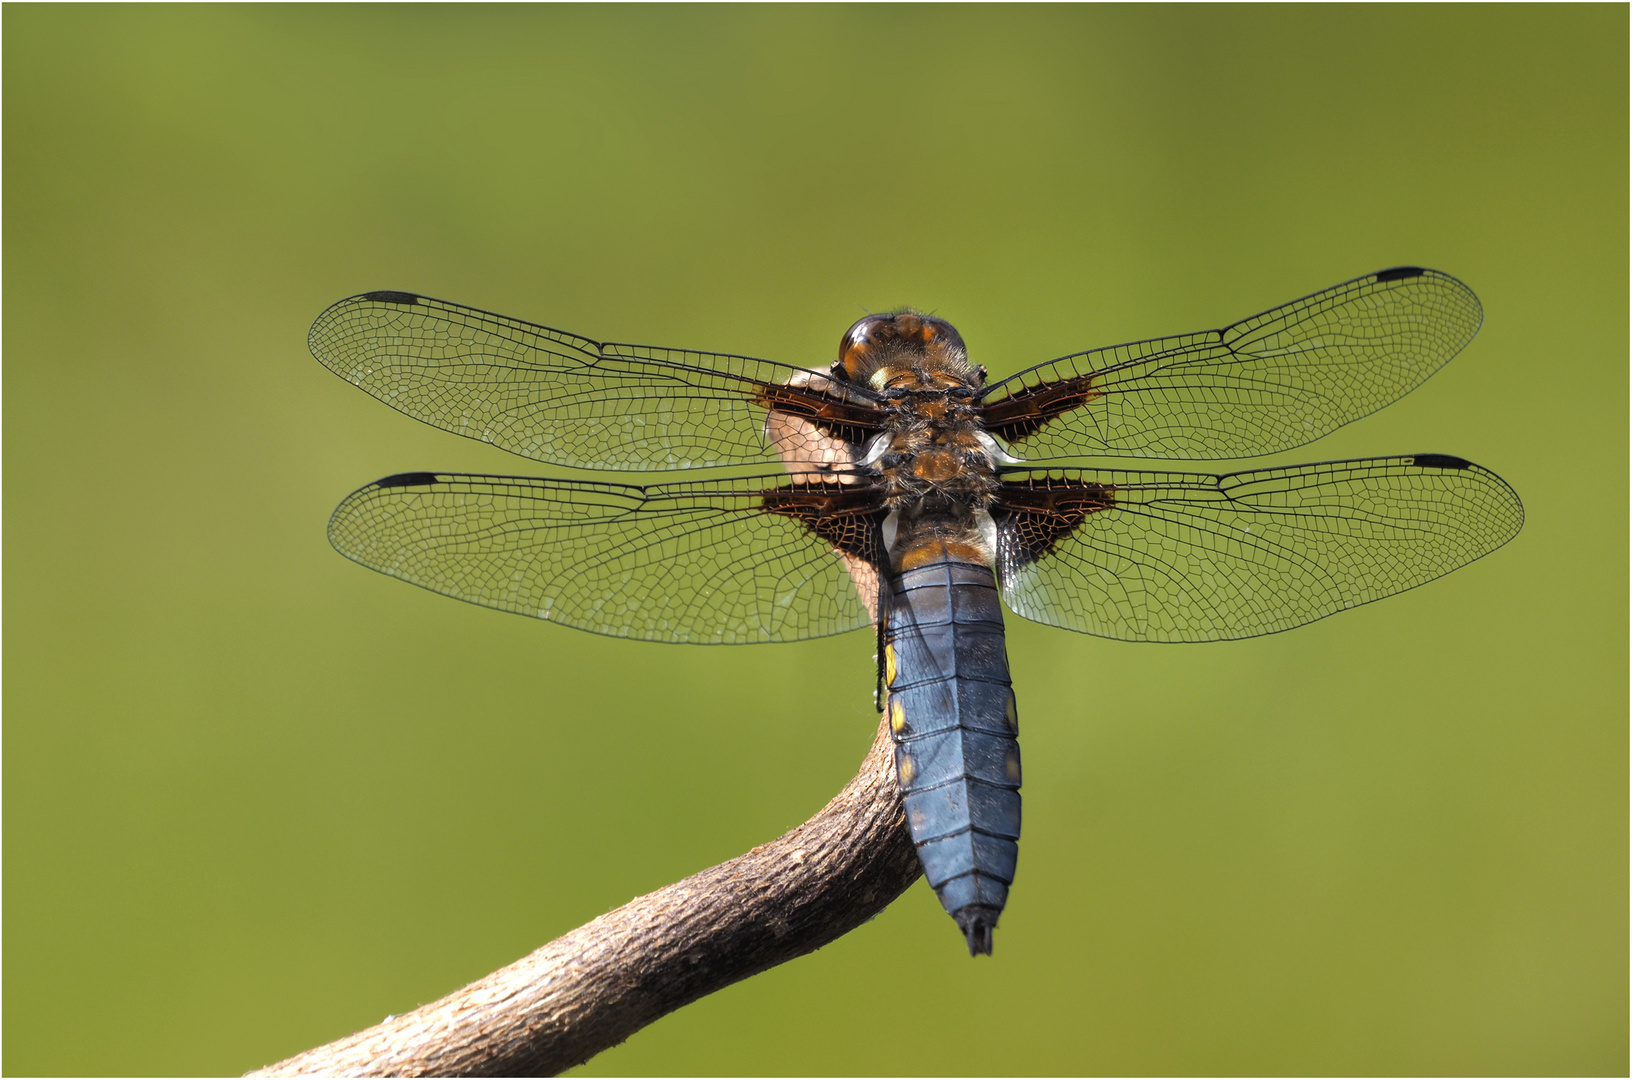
point(938, 480)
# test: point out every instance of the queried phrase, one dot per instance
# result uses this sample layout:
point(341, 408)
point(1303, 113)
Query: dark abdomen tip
point(977, 924)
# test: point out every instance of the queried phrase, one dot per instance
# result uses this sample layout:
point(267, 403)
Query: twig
point(594, 987)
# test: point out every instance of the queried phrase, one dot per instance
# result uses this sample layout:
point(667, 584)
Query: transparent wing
point(1262, 385)
point(561, 398)
point(1153, 556)
point(747, 560)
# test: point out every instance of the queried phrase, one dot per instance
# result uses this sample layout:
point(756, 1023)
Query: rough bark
point(594, 987)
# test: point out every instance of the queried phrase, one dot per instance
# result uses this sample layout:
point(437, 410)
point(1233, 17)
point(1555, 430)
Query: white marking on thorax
point(995, 451)
point(988, 534)
point(876, 449)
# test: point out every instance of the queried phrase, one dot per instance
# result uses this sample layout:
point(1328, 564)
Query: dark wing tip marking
point(406, 479)
point(1441, 461)
point(1399, 273)
point(392, 296)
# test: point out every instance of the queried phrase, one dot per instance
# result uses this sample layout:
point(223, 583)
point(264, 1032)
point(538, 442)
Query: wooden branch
point(599, 984)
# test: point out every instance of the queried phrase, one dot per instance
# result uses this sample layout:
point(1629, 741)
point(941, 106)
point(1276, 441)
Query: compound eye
point(862, 340)
point(870, 341)
point(941, 332)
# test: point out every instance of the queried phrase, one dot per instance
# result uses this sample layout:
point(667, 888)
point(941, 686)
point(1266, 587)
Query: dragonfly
point(897, 489)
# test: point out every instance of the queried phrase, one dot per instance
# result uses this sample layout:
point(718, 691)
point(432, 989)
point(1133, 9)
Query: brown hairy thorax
point(938, 475)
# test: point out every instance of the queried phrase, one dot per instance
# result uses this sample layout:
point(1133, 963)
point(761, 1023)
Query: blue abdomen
point(956, 756)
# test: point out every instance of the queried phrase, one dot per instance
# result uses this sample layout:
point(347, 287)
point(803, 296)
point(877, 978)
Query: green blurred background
point(257, 797)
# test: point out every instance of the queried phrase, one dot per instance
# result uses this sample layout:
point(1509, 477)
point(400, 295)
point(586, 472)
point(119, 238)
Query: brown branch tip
point(595, 986)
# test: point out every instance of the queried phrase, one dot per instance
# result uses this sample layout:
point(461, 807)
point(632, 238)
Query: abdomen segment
point(953, 715)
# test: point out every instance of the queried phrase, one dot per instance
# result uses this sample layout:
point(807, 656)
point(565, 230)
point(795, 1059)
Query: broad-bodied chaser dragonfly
point(907, 485)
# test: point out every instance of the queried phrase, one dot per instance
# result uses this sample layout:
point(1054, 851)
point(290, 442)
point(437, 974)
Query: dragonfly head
point(905, 350)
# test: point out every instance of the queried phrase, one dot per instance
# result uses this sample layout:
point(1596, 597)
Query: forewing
point(561, 398)
point(1262, 385)
point(1150, 556)
point(747, 560)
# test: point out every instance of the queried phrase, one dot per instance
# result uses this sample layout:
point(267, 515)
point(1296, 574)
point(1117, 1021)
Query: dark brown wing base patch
point(1026, 412)
point(847, 421)
point(1035, 515)
point(845, 515)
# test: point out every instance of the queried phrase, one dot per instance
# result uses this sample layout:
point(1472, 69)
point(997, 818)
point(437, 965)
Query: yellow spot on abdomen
point(907, 770)
point(898, 717)
point(1012, 767)
point(1012, 716)
point(889, 665)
